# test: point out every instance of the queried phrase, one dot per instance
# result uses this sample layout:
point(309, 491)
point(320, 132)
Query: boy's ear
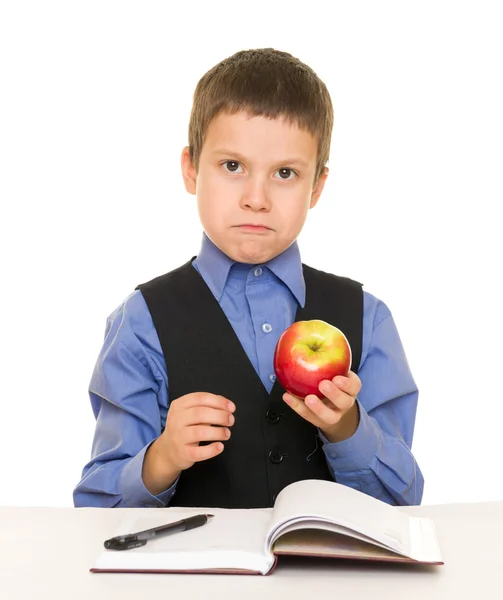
point(188, 171)
point(318, 188)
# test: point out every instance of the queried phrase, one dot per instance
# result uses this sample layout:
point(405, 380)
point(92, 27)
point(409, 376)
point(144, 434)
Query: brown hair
point(264, 82)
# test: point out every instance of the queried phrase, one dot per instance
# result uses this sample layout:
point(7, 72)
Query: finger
point(205, 433)
point(337, 398)
point(199, 453)
point(300, 407)
point(350, 384)
point(204, 399)
point(202, 415)
point(325, 414)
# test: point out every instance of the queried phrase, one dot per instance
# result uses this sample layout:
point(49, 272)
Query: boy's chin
point(252, 253)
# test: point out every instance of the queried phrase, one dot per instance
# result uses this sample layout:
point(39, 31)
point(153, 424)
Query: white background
point(94, 106)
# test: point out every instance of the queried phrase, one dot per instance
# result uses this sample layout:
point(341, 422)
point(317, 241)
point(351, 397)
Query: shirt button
point(267, 328)
point(257, 272)
point(272, 377)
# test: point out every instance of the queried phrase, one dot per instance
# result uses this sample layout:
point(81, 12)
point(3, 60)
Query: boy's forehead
point(243, 131)
point(244, 120)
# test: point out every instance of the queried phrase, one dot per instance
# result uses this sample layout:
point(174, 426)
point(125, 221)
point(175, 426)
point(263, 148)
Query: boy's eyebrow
point(241, 158)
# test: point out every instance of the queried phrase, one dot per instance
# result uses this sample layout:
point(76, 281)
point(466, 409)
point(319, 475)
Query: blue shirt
point(129, 388)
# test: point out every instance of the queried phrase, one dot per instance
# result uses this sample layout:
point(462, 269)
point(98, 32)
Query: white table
point(47, 553)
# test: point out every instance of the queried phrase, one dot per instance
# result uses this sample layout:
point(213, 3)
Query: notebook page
point(232, 539)
point(329, 526)
point(342, 505)
point(424, 540)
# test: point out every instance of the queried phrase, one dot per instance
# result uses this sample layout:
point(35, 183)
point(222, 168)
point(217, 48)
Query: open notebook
point(309, 518)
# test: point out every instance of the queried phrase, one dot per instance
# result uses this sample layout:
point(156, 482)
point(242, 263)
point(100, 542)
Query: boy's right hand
point(193, 418)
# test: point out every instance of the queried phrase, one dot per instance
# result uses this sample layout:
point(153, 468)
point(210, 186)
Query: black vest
point(270, 445)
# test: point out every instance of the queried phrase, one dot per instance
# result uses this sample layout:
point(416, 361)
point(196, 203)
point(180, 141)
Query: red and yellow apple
point(308, 352)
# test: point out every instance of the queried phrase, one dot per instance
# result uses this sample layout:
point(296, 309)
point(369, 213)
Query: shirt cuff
point(356, 452)
point(133, 489)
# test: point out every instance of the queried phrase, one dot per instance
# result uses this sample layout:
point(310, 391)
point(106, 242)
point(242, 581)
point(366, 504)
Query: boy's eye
point(285, 173)
point(232, 165)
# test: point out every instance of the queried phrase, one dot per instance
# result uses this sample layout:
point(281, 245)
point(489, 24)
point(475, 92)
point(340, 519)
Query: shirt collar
point(214, 266)
point(287, 266)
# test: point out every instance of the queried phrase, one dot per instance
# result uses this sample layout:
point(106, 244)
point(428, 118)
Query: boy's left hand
point(336, 413)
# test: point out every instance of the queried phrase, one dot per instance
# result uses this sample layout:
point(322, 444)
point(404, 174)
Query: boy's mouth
point(249, 227)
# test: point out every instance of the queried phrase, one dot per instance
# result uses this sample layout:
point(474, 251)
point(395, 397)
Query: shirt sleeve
point(128, 393)
point(377, 459)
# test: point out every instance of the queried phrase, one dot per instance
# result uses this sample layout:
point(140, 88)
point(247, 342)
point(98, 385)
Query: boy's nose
point(255, 197)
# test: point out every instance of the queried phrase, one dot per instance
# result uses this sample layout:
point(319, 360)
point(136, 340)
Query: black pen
point(140, 538)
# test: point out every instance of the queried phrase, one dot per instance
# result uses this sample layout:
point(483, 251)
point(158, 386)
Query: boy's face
point(254, 184)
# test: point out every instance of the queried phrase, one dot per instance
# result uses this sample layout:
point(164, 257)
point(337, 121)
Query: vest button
point(273, 416)
point(275, 456)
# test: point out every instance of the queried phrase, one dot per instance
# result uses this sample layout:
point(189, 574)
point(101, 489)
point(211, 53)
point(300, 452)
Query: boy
point(187, 406)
